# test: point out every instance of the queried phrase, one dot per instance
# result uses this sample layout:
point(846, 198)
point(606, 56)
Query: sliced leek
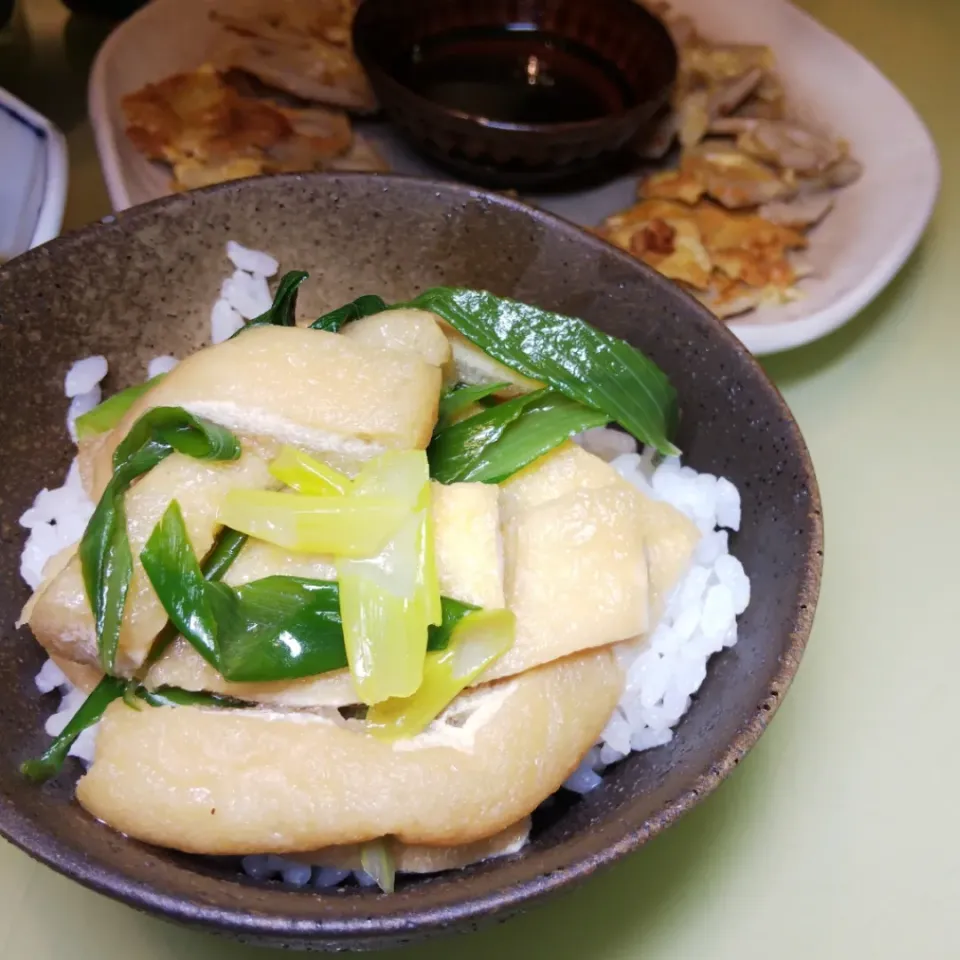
point(478, 640)
point(377, 860)
point(307, 475)
point(347, 526)
point(388, 600)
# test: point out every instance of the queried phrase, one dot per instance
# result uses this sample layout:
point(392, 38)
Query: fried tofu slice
point(230, 782)
point(575, 577)
point(59, 614)
point(466, 524)
point(589, 561)
point(469, 566)
point(669, 537)
point(403, 329)
point(473, 366)
point(316, 390)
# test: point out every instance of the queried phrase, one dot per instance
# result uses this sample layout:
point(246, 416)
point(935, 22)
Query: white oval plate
point(855, 252)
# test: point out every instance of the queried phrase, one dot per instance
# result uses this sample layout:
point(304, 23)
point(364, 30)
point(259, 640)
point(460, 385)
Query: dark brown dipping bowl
point(143, 284)
point(522, 155)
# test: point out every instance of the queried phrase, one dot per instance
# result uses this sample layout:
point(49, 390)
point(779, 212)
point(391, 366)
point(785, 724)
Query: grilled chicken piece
point(789, 146)
point(308, 69)
point(800, 213)
point(729, 94)
point(842, 174)
point(735, 179)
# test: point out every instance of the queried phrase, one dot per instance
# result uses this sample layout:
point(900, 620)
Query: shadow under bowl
point(614, 48)
point(143, 283)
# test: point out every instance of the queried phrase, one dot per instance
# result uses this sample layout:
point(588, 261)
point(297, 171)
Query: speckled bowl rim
point(500, 903)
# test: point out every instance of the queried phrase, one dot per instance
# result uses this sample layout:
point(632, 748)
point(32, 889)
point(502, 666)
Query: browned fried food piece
point(682, 184)
point(724, 173)
point(664, 236)
point(194, 115)
point(726, 221)
point(289, 20)
point(728, 298)
point(209, 132)
point(299, 47)
point(722, 254)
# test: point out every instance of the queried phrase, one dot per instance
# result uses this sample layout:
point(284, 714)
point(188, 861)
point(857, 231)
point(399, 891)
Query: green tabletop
point(837, 837)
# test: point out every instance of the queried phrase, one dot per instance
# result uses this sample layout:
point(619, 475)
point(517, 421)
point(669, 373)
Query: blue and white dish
point(33, 178)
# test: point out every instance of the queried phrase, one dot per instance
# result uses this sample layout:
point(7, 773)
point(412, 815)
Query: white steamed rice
point(662, 675)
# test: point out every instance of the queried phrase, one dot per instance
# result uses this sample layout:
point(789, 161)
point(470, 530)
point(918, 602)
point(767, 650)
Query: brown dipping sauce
point(514, 74)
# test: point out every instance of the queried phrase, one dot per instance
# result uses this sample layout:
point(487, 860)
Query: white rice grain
point(159, 365)
point(253, 261)
point(247, 294)
point(50, 677)
point(84, 375)
point(56, 519)
point(224, 322)
point(82, 403)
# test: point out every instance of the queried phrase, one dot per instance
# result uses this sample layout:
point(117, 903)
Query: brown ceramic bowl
point(142, 284)
point(620, 33)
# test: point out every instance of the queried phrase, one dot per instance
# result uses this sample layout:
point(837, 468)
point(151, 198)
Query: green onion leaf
point(104, 550)
point(545, 422)
point(455, 401)
point(227, 548)
point(283, 311)
point(165, 430)
point(494, 444)
point(453, 612)
point(91, 710)
point(454, 451)
point(365, 306)
point(176, 697)
point(218, 561)
point(307, 475)
point(105, 416)
point(171, 564)
point(571, 356)
point(276, 628)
